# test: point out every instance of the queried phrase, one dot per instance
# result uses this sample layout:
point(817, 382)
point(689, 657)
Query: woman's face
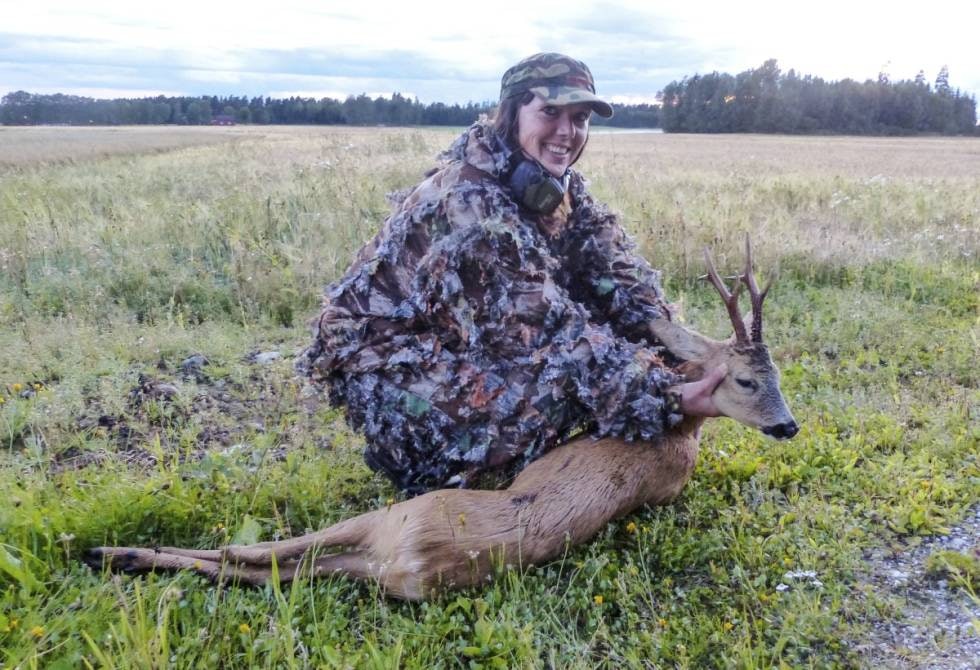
point(553, 135)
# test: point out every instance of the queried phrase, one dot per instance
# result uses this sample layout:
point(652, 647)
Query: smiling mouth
point(557, 150)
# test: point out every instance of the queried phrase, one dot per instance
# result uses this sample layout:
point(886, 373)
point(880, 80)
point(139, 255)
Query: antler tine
point(730, 298)
point(755, 294)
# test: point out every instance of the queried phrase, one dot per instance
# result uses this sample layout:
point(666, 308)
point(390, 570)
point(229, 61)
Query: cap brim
point(568, 95)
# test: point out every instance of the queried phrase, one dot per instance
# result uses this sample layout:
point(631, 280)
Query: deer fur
point(454, 538)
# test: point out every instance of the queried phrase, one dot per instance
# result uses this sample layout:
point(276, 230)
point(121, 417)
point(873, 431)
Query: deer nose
point(782, 431)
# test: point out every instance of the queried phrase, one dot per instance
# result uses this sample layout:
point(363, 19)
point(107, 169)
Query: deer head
point(750, 392)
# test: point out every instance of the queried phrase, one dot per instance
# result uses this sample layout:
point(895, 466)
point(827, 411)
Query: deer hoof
point(114, 558)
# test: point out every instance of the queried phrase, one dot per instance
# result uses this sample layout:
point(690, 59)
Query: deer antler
point(730, 298)
point(754, 294)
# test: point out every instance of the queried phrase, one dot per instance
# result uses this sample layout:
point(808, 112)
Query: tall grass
point(120, 262)
point(242, 229)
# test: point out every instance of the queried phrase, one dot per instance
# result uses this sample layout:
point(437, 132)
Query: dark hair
point(505, 116)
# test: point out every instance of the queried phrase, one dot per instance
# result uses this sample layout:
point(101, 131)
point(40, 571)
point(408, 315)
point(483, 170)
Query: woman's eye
point(550, 111)
point(745, 383)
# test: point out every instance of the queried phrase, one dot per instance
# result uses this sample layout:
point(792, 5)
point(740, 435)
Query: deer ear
point(681, 342)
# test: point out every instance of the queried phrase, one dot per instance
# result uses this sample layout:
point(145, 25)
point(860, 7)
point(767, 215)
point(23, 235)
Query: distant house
point(223, 120)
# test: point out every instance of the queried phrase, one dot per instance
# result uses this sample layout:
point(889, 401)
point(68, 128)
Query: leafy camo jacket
point(471, 334)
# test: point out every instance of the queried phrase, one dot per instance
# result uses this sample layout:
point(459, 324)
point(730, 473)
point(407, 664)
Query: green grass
point(125, 265)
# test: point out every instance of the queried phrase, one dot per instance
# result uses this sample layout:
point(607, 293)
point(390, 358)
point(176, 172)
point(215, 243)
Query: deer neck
point(672, 460)
point(690, 426)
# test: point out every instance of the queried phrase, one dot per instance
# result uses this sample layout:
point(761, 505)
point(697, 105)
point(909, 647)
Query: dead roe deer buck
point(456, 537)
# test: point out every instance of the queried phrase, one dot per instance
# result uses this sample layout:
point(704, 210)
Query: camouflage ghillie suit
point(470, 333)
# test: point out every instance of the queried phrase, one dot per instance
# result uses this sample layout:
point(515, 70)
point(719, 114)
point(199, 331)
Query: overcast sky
point(456, 51)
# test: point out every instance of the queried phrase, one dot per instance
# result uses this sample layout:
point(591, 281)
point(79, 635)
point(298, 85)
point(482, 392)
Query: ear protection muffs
point(535, 188)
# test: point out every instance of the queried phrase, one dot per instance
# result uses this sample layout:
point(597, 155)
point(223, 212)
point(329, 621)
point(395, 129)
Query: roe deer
point(454, 537)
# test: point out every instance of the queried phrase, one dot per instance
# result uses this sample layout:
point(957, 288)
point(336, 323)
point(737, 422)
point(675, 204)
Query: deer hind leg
point(348, 563)
point(350, 532)
point(200, 554)
point(246, 561)
point(138, 560)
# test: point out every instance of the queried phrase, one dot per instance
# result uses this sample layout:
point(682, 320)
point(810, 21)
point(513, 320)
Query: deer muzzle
point(782, 431)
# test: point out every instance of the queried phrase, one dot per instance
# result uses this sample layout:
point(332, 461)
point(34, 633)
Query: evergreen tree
point(942, 81)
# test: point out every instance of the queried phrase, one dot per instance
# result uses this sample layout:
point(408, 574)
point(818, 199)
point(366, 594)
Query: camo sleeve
point(617, 285)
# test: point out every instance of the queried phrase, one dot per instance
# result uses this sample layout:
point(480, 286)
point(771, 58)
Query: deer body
point(456, 537)
point(452, 538)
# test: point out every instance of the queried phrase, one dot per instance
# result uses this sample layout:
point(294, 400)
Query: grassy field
point(124, 252)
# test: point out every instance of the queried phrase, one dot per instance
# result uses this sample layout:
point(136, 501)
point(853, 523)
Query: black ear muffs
point(535, 188)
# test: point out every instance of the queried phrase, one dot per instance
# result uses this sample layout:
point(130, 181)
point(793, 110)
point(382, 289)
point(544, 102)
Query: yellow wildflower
point(198, 565)
point(728, 625)
point(631, 527)
point(38, 386)
point(12, 624)
point(244, 628)
point(598, 599)
point(2, 400)
point(787, 561)
point(662, 622)
point(16, 387)
point(37, 631)
point(390, 502)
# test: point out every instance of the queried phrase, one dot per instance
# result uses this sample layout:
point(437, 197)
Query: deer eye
point(746, 383)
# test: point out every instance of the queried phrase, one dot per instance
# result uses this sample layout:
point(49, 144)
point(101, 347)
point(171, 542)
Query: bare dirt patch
point(180, 412)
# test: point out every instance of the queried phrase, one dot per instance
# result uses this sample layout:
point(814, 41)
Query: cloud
point(632, 52)
point(455, 52)
point(622, 24)
point(87, 61)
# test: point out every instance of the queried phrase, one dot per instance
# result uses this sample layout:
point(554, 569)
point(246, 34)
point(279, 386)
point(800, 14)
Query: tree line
point(764, 100)
point(23, 108)
point(760, 100)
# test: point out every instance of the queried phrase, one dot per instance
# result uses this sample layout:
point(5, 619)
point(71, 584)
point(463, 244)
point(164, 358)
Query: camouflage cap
point(555, 77)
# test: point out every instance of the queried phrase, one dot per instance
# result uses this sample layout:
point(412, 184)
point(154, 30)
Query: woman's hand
point(696, 397)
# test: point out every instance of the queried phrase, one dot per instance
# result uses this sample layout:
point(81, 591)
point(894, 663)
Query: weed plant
point(119, 263)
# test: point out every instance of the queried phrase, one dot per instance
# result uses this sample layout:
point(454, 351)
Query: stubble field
point(126, 253)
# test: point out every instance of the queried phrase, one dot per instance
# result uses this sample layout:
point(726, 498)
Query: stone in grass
point(956, 566)
point(149, 388)
point(193, 363)
point(804, 577)
point(264, 357)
